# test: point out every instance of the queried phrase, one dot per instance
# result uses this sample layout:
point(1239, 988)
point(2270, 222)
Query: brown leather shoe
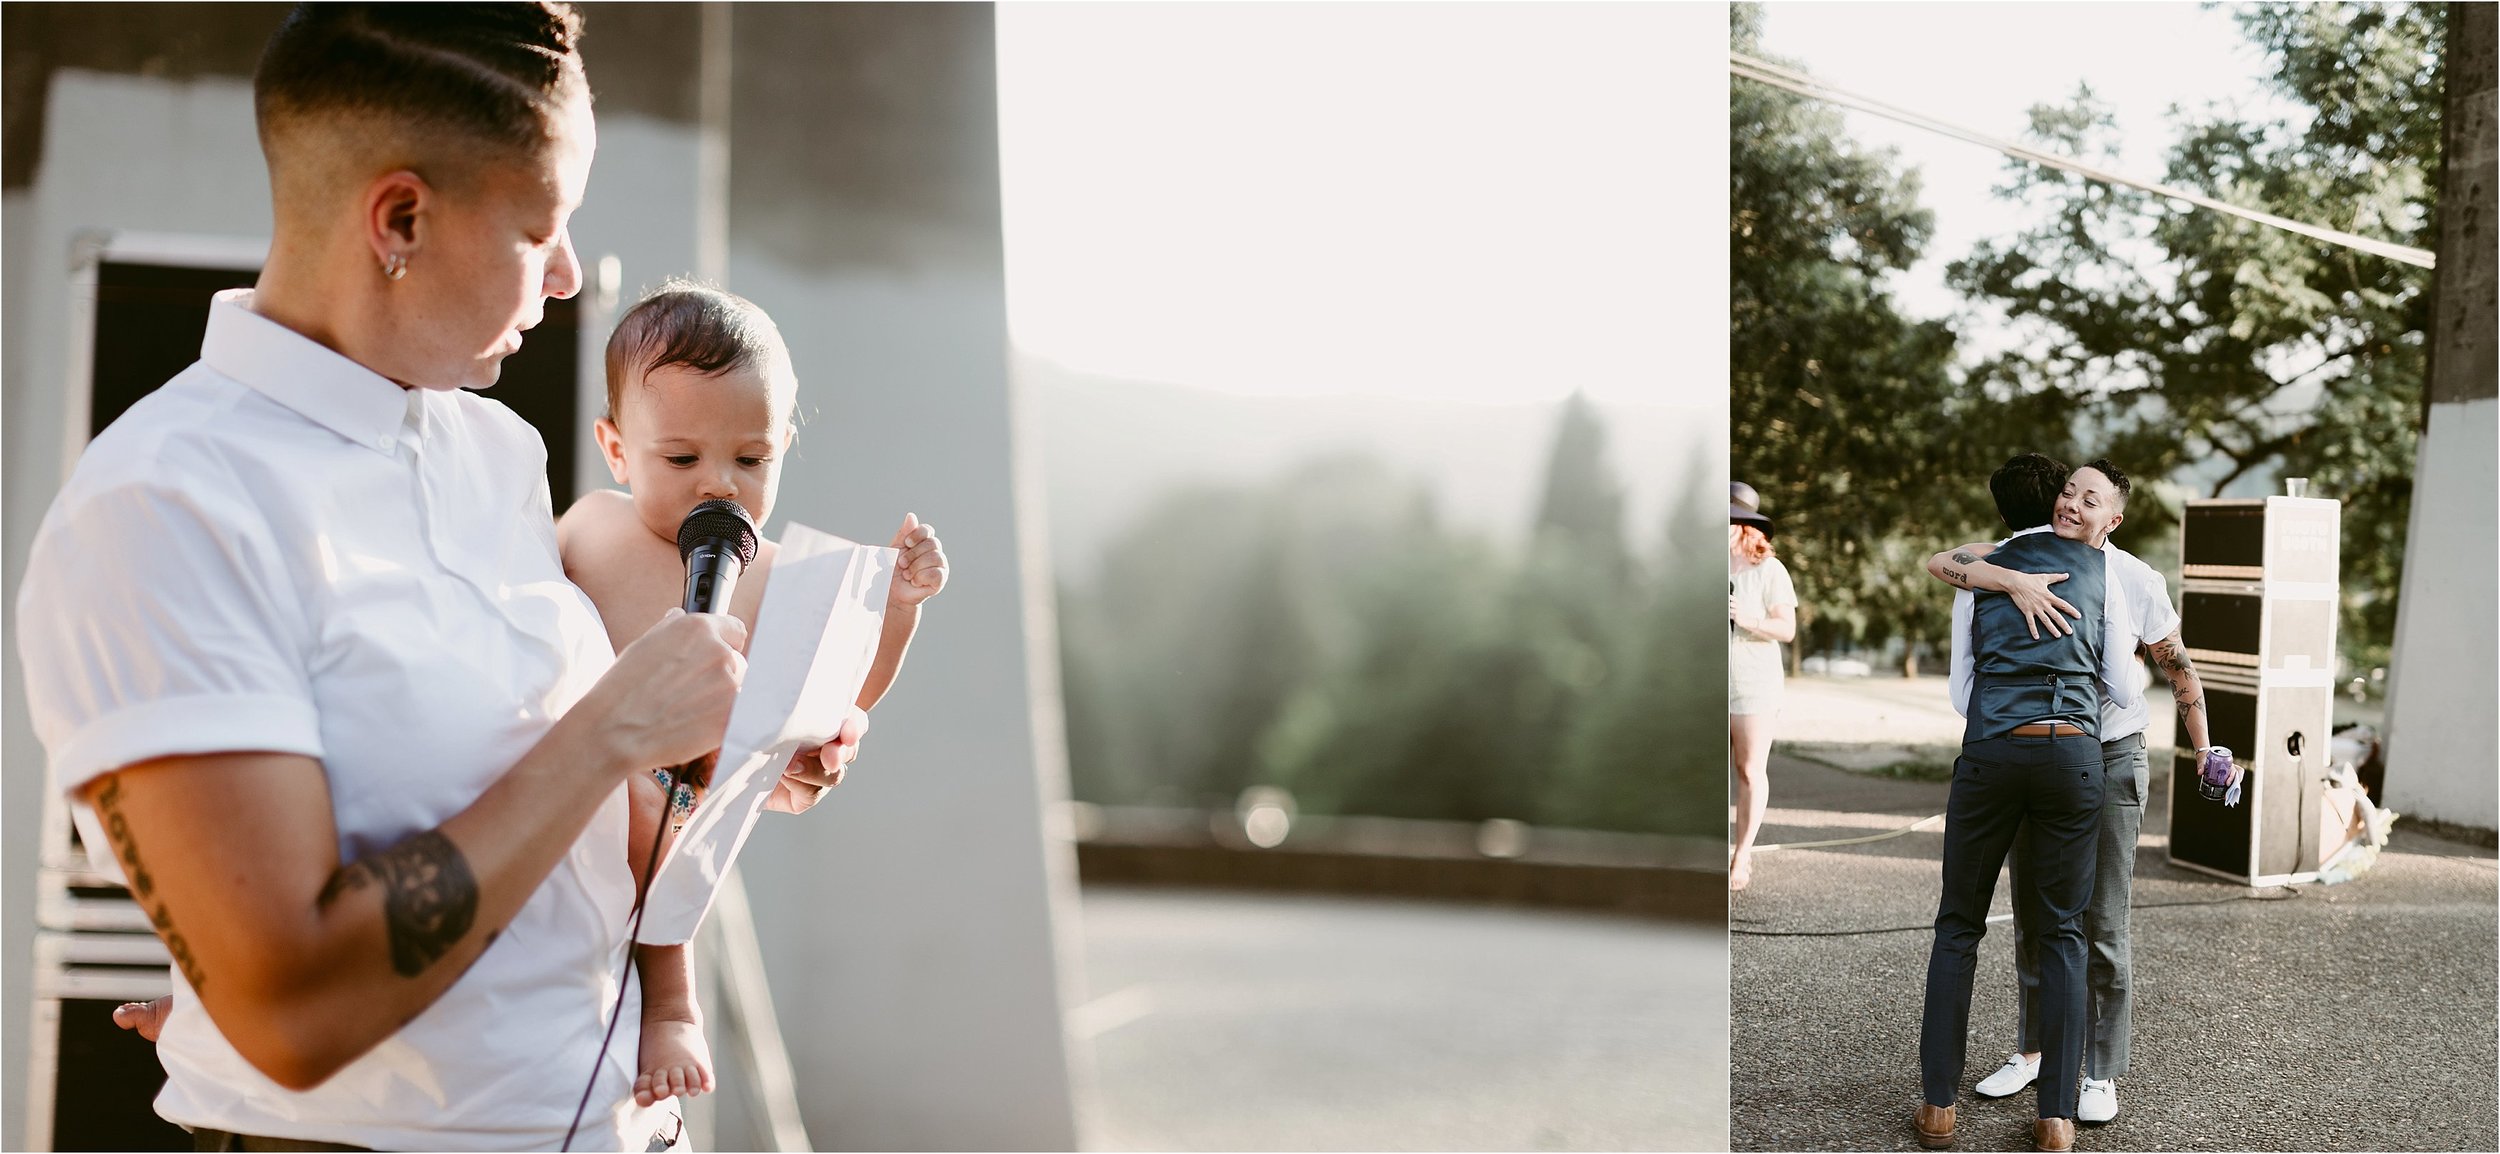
point(1935, 1126)
point(2053, 1134)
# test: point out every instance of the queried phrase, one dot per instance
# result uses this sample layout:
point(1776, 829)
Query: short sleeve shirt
point(1758, 589)
point(280, 550)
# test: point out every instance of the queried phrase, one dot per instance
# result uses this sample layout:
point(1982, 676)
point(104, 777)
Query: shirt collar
point(287, 367)
point(2044, 529)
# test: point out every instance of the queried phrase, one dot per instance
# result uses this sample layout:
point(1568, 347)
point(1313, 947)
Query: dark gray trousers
point(2109, 969)
point(2000, 786)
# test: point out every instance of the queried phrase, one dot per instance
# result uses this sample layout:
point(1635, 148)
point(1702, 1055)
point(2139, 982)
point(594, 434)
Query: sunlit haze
point(1983, 66)
point(1474, 202)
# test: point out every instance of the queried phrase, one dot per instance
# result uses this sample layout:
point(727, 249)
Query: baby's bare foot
point(676, 1063)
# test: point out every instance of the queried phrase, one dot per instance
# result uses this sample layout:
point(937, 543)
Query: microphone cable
point(642, 892)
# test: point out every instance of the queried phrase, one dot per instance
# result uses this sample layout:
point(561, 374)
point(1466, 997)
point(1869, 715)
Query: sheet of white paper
point(824, 605)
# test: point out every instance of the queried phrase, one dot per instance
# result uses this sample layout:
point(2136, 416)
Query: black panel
point(2210, 833)
point(148, 324)
point(541, 384)
point(2224, 535)
point(106, 1094)
point(2207, 833)
point(2224, 622)
point(150, 318)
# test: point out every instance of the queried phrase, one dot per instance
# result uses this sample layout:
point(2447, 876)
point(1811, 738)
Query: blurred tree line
point(1328, 634)
point(2195, 349)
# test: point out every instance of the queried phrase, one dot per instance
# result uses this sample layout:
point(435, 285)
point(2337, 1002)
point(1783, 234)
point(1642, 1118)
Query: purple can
point(2217, 776)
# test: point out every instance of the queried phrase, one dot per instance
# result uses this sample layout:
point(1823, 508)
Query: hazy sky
point(1488, 202)
point(1983, 66)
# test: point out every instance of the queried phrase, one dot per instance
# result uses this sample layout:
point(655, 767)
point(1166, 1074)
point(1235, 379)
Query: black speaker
point(2257, 614)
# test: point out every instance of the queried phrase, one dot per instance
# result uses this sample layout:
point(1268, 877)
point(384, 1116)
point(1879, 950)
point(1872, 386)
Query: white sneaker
point(2010, 1078)
point(2099, 1102)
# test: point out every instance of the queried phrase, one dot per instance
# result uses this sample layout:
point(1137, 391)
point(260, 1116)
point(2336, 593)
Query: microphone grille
point(718, 520)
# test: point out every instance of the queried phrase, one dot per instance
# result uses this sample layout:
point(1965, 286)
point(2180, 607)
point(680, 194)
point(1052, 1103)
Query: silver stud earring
point(394, 266)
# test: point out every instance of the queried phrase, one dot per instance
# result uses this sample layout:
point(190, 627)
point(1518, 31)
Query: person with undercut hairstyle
point(300, 648)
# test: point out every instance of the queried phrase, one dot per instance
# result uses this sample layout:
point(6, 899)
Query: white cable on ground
point(1916, 825)
point(1764, 72)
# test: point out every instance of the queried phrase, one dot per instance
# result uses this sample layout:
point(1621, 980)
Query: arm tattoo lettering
point(429, 897)
point(142, 884)
point(1961, 577)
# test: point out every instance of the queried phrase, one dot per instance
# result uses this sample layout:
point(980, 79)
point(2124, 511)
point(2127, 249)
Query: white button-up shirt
point(280, 550)
point(2121, 696)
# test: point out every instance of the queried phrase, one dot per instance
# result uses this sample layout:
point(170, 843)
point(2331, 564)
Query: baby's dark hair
point(2117, 480)
point(491, 72)
point(707, 329)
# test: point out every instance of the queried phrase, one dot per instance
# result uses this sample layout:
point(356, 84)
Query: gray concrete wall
point(2440, 741)
point(919, 927)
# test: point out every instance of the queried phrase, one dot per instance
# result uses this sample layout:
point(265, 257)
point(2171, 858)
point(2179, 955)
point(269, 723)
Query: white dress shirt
point(2119, 620)
point(280, 550)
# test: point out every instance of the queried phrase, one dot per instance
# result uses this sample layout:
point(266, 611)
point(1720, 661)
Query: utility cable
point(1921, 823)
point(2290, 893)
point(1765, 72)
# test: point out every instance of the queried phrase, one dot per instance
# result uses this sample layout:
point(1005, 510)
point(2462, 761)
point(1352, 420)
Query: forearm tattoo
point(142, 885)
point(429, 898)
point(1961, 577)
point(2185, 687)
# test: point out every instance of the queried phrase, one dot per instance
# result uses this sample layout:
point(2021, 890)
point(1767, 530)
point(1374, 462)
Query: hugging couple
point(2052, 776)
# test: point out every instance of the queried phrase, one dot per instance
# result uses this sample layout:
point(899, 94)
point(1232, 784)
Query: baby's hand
point(921, 570)
point(145, 1017)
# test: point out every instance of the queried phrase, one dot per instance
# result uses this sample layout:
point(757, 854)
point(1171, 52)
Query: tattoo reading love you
point(429, 898)
point(143, 886)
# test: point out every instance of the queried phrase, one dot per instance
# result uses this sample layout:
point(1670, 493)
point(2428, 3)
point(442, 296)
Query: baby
point(700, 397)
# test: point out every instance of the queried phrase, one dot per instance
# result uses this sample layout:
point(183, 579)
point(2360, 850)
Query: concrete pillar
point(919, 927)
point(2441, 739)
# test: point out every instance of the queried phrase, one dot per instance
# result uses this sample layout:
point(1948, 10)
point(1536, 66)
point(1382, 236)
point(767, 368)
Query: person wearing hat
point(1761, 613)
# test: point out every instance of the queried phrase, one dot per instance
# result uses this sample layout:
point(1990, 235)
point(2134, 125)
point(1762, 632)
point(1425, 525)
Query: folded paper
point(815, 636)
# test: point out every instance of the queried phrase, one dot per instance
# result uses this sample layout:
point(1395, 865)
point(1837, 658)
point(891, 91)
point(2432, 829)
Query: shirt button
point(383, 443)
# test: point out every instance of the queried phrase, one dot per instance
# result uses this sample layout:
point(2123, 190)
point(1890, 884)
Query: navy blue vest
point(2021, 679)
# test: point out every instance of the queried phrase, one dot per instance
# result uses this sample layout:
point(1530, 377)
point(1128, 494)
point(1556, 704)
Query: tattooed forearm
point(1961, 577)
point(2185, 687)
point(142, 884)
point(429, 898)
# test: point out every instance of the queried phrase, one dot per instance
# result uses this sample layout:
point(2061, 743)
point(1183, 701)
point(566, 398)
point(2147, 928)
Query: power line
point(1764, 72)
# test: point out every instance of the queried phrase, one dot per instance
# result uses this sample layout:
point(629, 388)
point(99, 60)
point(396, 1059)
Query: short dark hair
point(2026, 488)
point(2117, 480)
point(493, 72)
point(708, 329)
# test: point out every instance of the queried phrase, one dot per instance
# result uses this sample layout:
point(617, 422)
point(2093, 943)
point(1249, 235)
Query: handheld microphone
point(717, 542)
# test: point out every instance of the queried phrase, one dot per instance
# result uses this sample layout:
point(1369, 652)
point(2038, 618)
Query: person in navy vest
point(2031, 761)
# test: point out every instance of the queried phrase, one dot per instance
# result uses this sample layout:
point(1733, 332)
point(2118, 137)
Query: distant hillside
point(1111, 447)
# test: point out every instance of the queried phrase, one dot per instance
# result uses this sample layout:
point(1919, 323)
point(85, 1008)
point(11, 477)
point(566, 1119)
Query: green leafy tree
point(1646, 752)
point(1845, 414)
point(2197, 345)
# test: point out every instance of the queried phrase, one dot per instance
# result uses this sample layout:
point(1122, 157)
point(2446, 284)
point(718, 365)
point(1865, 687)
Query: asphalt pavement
point(1257, 1021)
point(2351, 1017)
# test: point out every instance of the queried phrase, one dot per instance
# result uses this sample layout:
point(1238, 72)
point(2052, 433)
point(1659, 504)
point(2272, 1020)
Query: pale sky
point(1983, 66)
point(1495, 202)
